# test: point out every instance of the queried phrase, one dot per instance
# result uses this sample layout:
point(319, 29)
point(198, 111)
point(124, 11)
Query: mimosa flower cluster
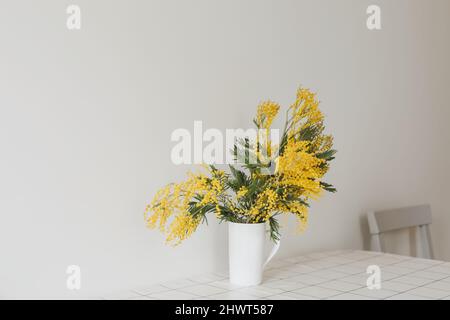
point(283, 180)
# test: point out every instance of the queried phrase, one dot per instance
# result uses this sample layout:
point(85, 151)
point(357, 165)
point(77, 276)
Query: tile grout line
point(351, 256)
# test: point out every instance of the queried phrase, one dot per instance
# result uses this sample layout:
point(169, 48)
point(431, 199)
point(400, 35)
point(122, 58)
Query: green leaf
point(328, 187)
point(326, 155)
point(239, 175)
point(309, 133)
point(274, 226)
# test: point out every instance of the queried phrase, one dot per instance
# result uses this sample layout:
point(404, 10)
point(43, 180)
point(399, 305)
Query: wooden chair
point(395, 219)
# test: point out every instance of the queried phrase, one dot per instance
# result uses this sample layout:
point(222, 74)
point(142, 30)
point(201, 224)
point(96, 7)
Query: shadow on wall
point(221, 244)
point(364, 230)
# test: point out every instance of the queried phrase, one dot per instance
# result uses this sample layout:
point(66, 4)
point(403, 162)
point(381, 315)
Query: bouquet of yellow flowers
point(271, 179)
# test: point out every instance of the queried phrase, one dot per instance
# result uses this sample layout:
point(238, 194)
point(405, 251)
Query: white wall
point(86, 117)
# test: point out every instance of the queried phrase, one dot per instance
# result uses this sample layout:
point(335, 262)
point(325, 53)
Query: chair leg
point(430, 243)
point(375, 243)
point(426, 242)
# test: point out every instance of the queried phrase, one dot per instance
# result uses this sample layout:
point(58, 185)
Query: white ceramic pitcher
point(246, 252)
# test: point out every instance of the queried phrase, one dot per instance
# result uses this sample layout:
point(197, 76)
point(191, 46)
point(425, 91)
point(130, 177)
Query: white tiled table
point(325, 275)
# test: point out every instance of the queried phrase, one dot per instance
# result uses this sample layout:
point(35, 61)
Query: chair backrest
point(395, 219)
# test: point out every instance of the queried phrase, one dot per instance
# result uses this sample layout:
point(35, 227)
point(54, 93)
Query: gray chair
point(389, 220)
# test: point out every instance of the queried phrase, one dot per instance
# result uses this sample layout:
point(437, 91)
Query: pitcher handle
point(273, 252)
